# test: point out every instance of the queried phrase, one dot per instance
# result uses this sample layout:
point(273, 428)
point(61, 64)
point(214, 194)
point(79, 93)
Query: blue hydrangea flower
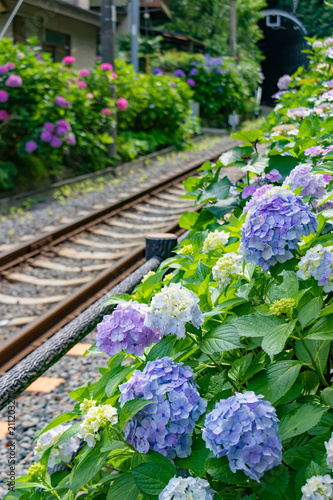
point(318, 263)
point(313, 185)
point(172, 308)
point(276, 221)
point(166, 425)
point(244, 429)
point(126, 329)
point(187, 488)
point(180, 72)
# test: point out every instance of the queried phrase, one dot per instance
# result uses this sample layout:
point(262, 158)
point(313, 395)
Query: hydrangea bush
point(218, 383)
point(53, 116)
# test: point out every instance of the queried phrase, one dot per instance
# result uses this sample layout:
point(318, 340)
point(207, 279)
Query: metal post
point(233, 27)
point(135, 29)
point(10, 19)
point(108, 33)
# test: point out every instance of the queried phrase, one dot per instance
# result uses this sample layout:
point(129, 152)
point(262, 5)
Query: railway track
point(48, 281)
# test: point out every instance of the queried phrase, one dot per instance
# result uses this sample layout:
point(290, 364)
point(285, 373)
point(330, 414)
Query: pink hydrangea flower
point(3, 114)
point(10, 65)
point(122, 103)
point(172, 84)
point(84, 72)
point(191, 82)
point(82, 85)
point(106, 111)
point(3, 96)
point(90, 95)
point(114, 76)
point(106, 67)
point(14, 81)
point(327, 178)
point(69, 60)
point(31, 146)
point(3, 70)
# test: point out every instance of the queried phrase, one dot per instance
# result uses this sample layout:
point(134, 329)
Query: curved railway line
point(48, 281)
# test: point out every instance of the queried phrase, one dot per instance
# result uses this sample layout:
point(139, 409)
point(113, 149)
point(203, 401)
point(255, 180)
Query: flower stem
point(313, 361)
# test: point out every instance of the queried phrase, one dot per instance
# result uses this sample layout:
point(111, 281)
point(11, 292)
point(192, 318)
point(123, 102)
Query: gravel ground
point(34, 410)
point(23, 225)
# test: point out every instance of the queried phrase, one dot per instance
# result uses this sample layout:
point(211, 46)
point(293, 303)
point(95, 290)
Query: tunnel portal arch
point(282, 47)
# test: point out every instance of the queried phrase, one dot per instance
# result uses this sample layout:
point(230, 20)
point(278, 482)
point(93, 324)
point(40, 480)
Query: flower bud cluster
point(228, 265)
point(215, 241)
point(96, 417)
point(283, 306)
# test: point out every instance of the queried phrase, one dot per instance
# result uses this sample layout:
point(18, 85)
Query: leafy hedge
point(37, 93)
point(219, 84)
point(236, 390)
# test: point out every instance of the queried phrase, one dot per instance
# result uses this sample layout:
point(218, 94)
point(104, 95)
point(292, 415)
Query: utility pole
point(135, 30)
point(233, 27)
point(108, 34)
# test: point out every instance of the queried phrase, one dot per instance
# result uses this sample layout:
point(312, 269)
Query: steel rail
point(31, 248)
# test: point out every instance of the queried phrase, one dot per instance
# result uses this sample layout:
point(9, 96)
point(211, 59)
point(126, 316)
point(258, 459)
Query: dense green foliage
point(208, 21)
point(219, 85)
point(316, 15)
point(263, 329)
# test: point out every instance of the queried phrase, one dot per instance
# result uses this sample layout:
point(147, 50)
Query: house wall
point(83, 35)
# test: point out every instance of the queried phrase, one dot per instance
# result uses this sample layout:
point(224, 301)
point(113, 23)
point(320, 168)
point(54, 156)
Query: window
point(58, 44)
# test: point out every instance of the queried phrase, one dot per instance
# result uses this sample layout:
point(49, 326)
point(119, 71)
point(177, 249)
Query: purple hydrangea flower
point(190, 82)
point(273, 176)
point(180, 72)
point(164, 426)
point(125, 329)
point(14, 81)
point(48, 126)
point(328, 41)
point(328, 96)
point(313, 185)
point(328, 84)
point(193, 72)
point(249, 190)
point(46, 136)
point(3, 70)
point(318, 263)
point(300, 112)
point(64, 124)
point(56, 142)
point(314, 151)
point(61, 130)
point(157, 71)
point(244, 429)
point(4, 96)
point(284, 82)
point(10, 65)
point(71, 140)
point(31, 146)
point(276, 221)
point(62, 102)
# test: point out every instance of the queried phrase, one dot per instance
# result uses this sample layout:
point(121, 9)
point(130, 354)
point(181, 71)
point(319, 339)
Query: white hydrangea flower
point(187, 488)
point(317, 262)
point(329, 450)
point(63, 452)
point(87, 403)
point(229, 264)
point(170, 309)
point(318, 488)
point(95, 418)
point(215, 240)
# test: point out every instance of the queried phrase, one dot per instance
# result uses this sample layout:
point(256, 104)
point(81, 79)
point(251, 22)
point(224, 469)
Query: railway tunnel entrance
point(282, 48)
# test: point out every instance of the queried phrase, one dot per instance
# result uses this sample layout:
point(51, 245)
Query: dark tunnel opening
point(282, 47)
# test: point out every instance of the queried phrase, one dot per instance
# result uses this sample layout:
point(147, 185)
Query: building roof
point(63, 8)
